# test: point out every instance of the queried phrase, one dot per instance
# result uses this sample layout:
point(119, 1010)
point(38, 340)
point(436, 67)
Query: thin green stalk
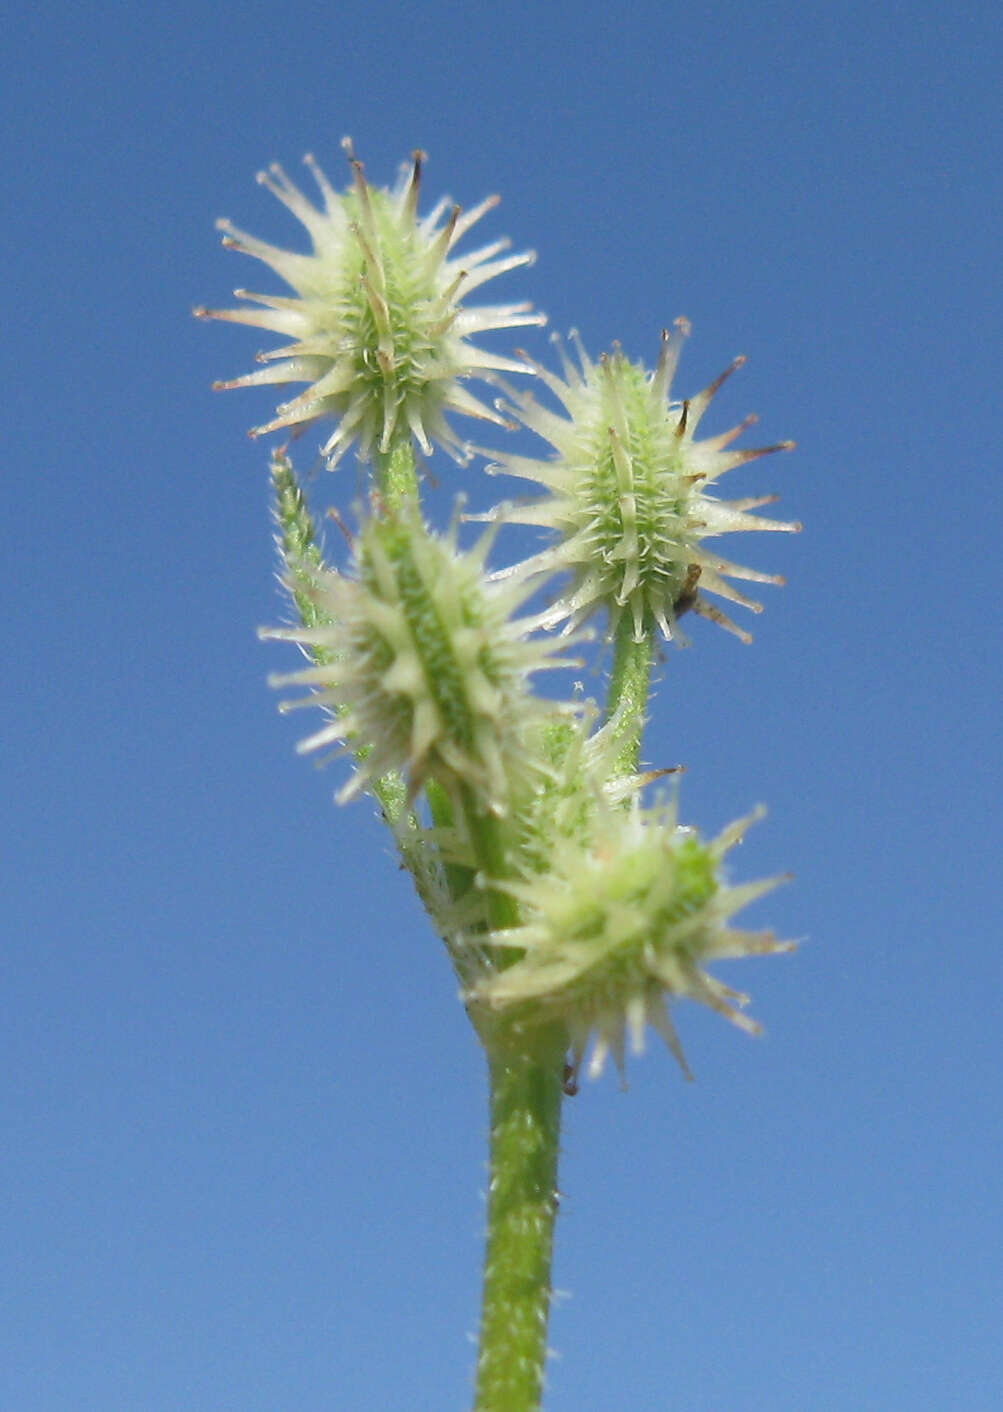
point(396, 474)
point(487, 835)
point(526, 1094)
point(459, 879)
point(629, 684)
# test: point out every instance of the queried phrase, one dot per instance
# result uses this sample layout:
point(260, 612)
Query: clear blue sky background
point(243, 1112)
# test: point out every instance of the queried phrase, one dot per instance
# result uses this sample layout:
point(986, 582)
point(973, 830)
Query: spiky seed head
point(377, 325)
point(621, 923)
point(630, 492)
point(424, 667)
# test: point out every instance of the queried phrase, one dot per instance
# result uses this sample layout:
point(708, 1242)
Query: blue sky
point(243, 1113)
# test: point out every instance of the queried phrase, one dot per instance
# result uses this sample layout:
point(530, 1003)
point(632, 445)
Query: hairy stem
point(397, 475)
point(629, 684)
point(526, 1094)
point(487, 834)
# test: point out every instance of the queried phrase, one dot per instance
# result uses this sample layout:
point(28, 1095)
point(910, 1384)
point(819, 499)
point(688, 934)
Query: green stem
point(459, 879)
point(487, 834)
point(396, 474)
point(526, 1093)
point(629, 684)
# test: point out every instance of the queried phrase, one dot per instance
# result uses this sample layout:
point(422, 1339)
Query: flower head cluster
point(422, 663)
point(619, 923)
point(630, 492)
point(377, 327)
